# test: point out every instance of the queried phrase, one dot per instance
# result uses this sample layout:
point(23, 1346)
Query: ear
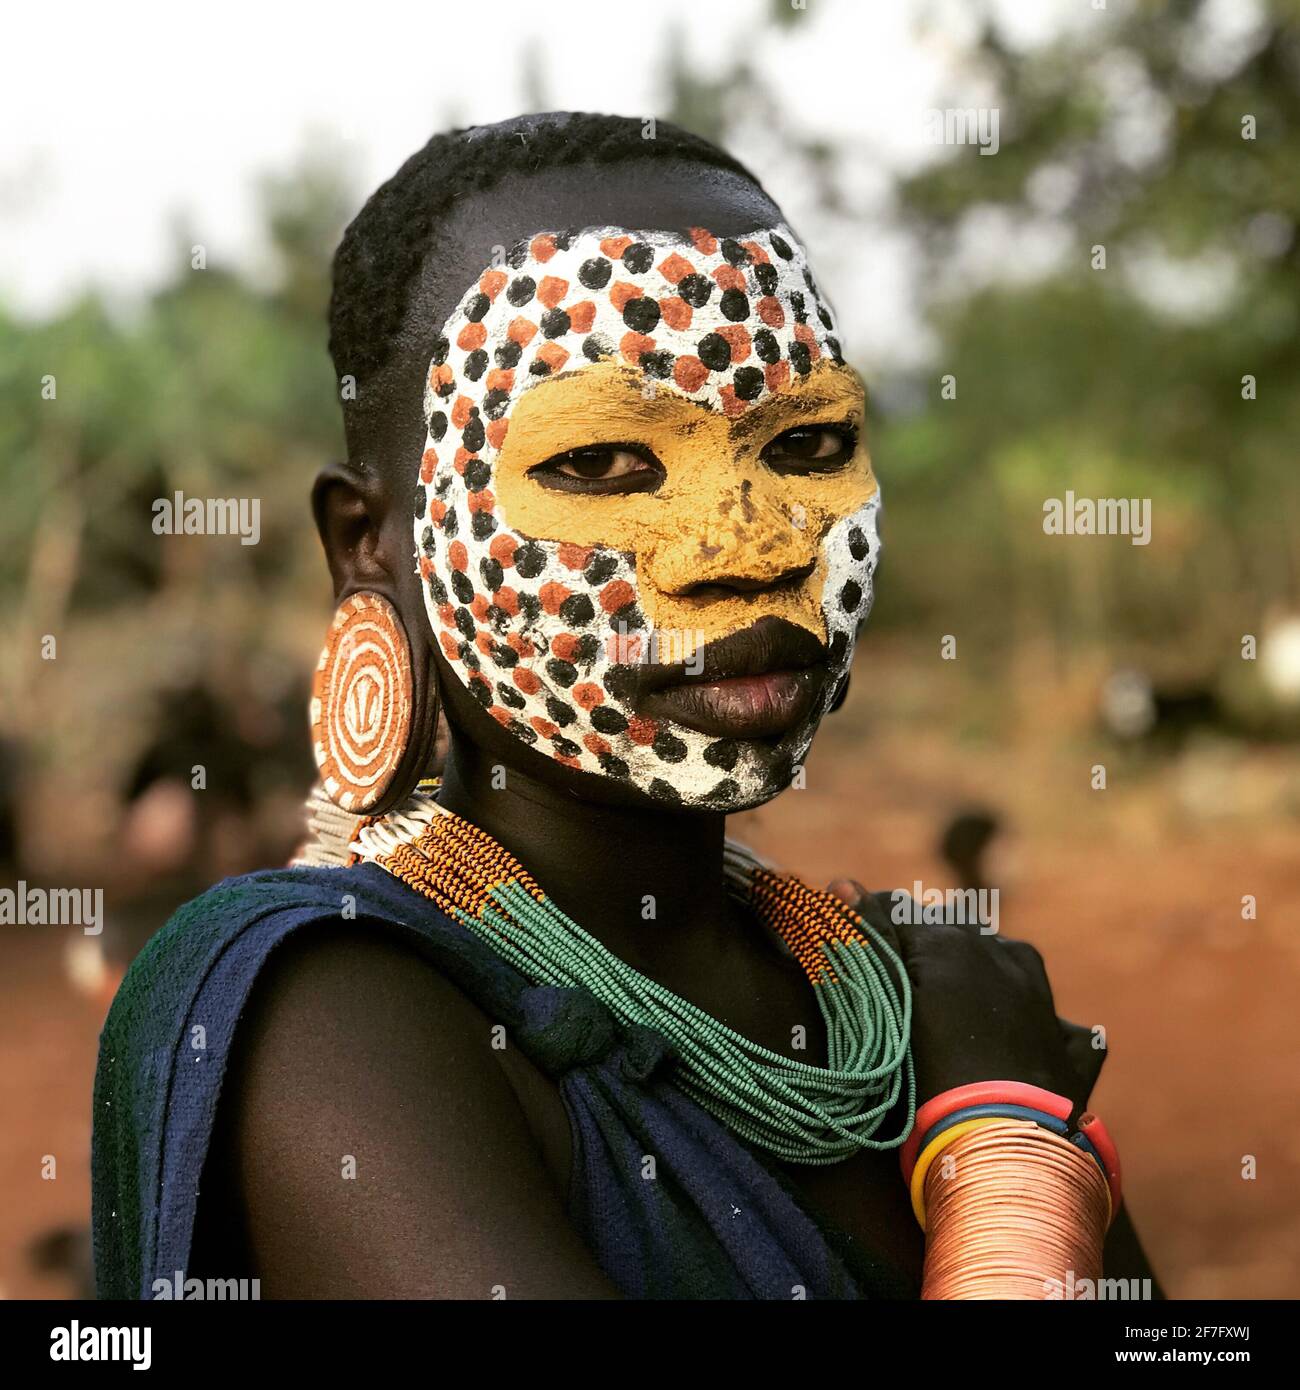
point(349, 509)
point(368, 546)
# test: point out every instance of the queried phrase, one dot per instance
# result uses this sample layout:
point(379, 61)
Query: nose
point(745, 539)
point(746, 584)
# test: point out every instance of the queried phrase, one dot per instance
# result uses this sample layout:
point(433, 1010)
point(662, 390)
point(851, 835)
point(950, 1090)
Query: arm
point(983, 1010)
point(352, 1045)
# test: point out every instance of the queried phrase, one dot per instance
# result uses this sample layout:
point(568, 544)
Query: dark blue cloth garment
point(718, 1221)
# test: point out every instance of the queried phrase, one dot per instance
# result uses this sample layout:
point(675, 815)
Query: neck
point(646, 883)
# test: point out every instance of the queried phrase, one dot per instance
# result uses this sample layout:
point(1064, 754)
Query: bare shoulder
point(342, 995)
point(375, 1146)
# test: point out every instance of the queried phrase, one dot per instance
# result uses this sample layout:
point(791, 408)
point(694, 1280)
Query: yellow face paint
point(722, 512)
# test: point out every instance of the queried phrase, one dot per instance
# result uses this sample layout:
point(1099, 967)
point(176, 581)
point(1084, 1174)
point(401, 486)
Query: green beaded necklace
point(802, 1113)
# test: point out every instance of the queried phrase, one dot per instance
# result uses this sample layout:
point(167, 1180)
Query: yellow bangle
point(936, 1146)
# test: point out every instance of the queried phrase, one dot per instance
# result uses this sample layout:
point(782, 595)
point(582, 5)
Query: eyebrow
point(631, 399)
point(755, 421)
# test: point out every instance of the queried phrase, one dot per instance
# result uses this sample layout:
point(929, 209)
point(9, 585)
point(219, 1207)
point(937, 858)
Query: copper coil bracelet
point(1015, 1200)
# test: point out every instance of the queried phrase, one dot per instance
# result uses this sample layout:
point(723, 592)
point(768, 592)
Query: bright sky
point(117, 119)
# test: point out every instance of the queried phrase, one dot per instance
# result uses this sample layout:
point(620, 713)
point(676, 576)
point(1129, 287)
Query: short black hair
point(384, 250)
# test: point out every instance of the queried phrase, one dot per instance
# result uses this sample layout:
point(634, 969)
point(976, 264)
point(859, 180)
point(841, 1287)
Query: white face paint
point(529, 616)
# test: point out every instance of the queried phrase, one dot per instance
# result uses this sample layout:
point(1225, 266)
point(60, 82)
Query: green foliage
point(1078, 380)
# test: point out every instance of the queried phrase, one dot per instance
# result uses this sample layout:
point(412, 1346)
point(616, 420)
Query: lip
point(754, 684)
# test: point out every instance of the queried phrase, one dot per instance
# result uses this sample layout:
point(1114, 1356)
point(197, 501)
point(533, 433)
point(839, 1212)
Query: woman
point(540, 1030)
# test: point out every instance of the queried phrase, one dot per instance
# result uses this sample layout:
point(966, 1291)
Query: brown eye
point(607, 468)
point(814, 448)
point(600, 463)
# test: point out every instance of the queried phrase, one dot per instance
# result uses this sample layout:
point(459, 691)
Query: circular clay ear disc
point(361, 702)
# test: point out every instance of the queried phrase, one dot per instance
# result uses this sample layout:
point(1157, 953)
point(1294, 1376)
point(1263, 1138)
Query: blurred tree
point(216, 386)
point(1128, 133)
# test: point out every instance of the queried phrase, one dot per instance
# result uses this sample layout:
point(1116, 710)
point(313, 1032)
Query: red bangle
point(1097, 1135)
point(986, 1093)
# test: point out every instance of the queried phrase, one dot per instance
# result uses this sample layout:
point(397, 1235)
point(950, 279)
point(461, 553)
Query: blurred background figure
point(1105, 304)
point(965, 849)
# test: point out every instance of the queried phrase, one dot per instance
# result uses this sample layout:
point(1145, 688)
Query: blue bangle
point(1007, 1112)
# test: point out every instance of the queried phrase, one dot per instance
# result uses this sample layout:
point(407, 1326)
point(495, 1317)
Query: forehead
point(723, 321)
point(632, 193)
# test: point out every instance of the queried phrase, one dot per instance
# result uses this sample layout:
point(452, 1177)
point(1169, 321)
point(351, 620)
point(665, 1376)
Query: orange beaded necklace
point(803, 1113)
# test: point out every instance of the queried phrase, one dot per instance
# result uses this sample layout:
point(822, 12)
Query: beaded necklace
point(802, 1113)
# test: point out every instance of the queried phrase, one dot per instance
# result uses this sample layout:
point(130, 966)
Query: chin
point(764, 768)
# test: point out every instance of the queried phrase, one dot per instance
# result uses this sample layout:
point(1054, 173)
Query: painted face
point(639, 443)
